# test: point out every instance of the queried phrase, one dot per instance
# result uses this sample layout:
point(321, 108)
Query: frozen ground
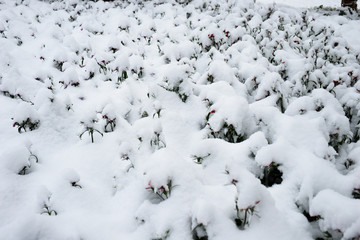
point(152, 120)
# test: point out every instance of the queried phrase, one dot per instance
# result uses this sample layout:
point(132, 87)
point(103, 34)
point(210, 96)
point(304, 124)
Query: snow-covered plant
point(249, 196)
point(164, 236)
point(47, 208)
point(163, 191)
point(26, 125)
point(244, 215)
point(216, 41)
point(136, 66)
point(123, 76)
point(200, 158)
point(157, 139)
point(20, 159)
point(58, 64)
point(102, 66)
point(25, 118)
point(45, 202)
point(228, 119)
point(70, 78)
point(323, 104)
point(110, 123)
point(90, 128)
point(175, 80)
point(73, 178)
point(228, 133)
point(334, 224)
point(32, 159)
point(270, 94)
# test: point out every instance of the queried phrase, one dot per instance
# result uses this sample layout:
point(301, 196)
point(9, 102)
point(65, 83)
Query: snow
point(179, 120)
point(303, 3)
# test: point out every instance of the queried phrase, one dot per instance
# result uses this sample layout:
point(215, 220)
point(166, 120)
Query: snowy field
point(303, 3)
point(179, 120)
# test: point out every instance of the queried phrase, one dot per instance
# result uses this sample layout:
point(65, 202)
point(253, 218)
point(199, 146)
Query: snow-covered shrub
point(218, 70)
point(228, 119)
point(25, 118)
point(163, 191)
point(70, 78)
point(136, 66)
point(121, 66)
point(72, 177)
point(26, 125)
point(20, 160)
point(244, 215)
point(45, 202)
point(336, 224)
point(323, 104)
point(350, 100)
point(109, 118)
point(90, 126)
point(160, 173)
point(258, 104)
point(248, 199)
point(272, 84)
point(90, 130)
point(150, 134)
point(175, 79)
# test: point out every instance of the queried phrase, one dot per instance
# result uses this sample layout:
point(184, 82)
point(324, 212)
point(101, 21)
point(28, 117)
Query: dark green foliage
point(228, 133)
point(123, 76)
point(47, 210)
point(271, 175)
point(27, 125)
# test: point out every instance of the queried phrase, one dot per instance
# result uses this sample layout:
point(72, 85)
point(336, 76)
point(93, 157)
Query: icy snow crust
point(178, 120)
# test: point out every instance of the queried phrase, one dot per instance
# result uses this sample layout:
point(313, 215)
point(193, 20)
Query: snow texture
point(179, 119)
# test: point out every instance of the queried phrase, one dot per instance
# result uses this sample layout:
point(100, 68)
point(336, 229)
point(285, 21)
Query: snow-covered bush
point(210, 120)
point(25, 118)
point(90, 126)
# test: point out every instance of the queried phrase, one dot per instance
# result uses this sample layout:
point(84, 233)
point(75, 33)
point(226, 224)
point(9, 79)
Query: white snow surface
point(303, 3)
point(179, 120)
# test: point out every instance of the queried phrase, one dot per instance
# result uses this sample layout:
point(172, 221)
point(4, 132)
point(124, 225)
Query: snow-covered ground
point(179, 120)
point(304, 3)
